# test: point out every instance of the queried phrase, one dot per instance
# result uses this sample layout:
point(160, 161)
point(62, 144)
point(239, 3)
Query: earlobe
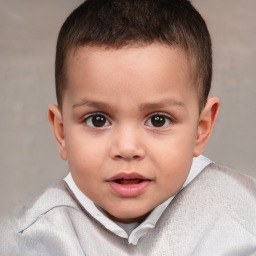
point(206, 123)
point(55, 119)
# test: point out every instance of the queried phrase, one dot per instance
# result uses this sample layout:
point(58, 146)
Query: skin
point(127, 86)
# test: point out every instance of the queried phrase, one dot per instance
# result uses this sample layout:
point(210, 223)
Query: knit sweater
point(214, 215)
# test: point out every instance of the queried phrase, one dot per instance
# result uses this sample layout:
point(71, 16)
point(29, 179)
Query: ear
point(55, 119)
point(206, 123)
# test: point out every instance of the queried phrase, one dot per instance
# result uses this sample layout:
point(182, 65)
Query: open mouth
point(128, 185)
point(128, 181)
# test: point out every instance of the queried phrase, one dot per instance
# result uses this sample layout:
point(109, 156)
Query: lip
point(129, 185)
point(124, 175)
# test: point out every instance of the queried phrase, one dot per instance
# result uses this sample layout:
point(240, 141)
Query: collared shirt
point(133, 231)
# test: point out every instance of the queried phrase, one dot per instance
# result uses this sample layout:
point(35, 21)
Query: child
point(133, 118)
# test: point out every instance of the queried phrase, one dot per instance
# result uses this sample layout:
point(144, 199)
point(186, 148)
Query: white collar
point(131, 231)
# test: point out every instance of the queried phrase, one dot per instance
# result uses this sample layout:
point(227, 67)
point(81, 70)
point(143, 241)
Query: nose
point(127, 144)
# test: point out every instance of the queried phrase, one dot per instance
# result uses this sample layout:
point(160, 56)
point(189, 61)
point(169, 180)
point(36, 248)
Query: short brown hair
point(116, 23)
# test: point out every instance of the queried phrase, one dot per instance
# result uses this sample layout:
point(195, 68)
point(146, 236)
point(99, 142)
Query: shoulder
point(36, 222)
point(52, 198)
point(224, 186)
point(219, 192)
point(224, 182)
point(215, 214)
point(46, 202)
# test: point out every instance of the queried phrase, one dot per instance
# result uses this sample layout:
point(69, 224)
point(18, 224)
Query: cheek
point(173, 154)
point(173, 169)
point(176, 145)
point(85, 161)
point(84, 152)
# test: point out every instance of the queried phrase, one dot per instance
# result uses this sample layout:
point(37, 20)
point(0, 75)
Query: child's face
point(130, 119)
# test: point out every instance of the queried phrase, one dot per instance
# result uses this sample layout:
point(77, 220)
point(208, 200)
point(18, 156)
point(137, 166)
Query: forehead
point(130, 54)
point(100, 69)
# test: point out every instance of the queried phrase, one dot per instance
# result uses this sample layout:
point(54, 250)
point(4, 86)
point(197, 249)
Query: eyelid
point(167, 116)
point(95, 114)
point(86, 117)
point(161, 114)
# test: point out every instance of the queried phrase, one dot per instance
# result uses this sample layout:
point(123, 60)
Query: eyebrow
point(162, 104)
point(95, 104)
point(144, 106)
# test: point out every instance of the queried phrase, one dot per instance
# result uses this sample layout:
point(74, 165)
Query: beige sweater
point(215, 215)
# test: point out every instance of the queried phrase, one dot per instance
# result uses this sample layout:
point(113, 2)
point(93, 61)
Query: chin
point(128, 217)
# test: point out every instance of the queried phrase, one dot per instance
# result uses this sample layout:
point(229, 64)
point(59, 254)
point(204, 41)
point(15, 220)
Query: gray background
point(28, 31)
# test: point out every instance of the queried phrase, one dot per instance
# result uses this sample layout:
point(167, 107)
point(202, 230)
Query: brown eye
point(159, 120)
point(97, 120)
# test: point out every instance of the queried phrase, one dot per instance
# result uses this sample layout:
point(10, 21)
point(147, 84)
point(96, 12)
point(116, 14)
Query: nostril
point(127, 151)
point(136, 157)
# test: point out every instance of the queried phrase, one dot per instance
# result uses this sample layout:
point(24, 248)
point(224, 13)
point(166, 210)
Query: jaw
point(131, 218)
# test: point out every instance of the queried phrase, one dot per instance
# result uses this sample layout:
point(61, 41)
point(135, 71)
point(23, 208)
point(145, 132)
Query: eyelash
point(102, 118)
point(96, 114)
point(159, 114)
